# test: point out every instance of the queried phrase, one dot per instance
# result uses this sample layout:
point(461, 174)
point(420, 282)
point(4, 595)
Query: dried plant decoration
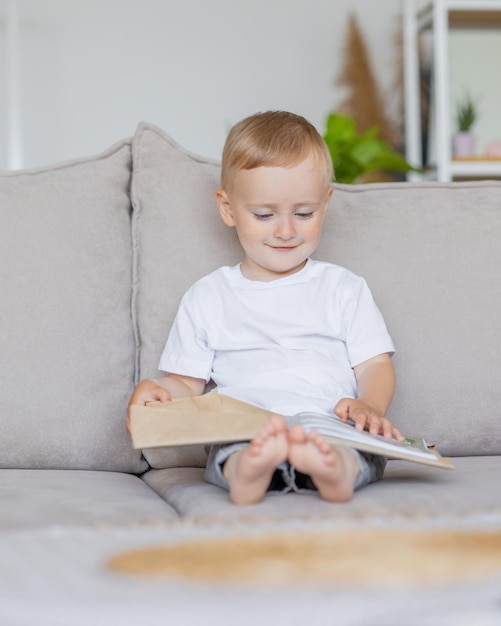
point(364, 102)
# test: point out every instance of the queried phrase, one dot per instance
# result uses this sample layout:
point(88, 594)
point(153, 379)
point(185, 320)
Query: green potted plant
point(355, 156)
point(463, 141)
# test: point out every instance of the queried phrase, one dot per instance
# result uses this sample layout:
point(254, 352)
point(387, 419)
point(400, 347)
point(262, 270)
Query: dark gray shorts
point(286, 478)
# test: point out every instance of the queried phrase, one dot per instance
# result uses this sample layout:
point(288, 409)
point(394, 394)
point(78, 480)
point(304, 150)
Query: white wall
point(3, 93)
point(92, 70)
point(474, 68)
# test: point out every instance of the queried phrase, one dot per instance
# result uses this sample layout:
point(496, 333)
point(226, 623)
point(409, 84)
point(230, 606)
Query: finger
point(141, 399)
point(342, 410)
point(388, 430)
point(376, 425)
point(398, 434)
point(155, 393)
point(361, 420)
point(163, 395)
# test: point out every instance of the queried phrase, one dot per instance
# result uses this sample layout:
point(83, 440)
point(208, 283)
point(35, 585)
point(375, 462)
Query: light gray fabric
point(34, 499)
point(431, 254)
point(66, 337)
point(407, 491)
point(178, 237)
point(57, 577)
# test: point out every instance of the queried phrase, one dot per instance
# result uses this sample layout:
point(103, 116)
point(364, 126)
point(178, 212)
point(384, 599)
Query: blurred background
point(90, 71)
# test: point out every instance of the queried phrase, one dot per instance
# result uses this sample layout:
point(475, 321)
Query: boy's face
point(278, 213)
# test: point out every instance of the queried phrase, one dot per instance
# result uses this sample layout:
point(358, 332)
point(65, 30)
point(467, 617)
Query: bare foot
point(249, 471)
point(333, 469)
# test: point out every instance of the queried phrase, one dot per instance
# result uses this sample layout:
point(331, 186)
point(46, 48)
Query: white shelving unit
point(440, 16)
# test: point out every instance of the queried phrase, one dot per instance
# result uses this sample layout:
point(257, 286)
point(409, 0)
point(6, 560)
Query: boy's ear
point(223, 204)
point(328, 197)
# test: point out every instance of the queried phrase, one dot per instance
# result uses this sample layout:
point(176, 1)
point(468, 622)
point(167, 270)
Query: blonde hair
point(273, 139)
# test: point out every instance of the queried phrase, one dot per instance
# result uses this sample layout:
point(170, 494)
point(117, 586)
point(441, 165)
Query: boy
point(299, 337)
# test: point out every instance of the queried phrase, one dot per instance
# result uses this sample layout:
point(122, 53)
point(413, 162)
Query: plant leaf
point(355, 155)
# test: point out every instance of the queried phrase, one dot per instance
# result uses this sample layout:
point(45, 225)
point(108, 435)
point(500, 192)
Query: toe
point(297, 434)
point(278, 423)
point(319, 442)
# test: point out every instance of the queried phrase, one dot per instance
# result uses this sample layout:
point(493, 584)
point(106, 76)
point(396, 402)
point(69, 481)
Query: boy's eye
point(300, 214)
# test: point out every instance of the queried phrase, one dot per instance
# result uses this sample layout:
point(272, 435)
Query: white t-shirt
point(288, 345)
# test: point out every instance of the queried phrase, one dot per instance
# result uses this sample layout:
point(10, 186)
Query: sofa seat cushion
point(67, 357)
point(68, 498)
point(408, 491)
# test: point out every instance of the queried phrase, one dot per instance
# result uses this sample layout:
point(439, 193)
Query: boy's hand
point(148, 390)
point(367, 418)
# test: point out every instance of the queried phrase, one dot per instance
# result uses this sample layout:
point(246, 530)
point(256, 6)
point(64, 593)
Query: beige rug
point(366, 556)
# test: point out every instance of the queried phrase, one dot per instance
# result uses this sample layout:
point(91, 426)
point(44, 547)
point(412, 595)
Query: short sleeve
point(186, 351)
point(366, 332)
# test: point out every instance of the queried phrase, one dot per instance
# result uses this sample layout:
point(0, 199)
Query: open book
point(216, 418)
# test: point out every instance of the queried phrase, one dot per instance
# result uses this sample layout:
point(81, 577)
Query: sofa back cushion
point(67, 353)
point(431, 254)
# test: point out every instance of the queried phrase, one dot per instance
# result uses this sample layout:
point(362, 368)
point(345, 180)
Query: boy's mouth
point(284, 248)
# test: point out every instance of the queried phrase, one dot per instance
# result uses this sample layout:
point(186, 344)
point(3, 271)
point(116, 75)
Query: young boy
point(299, 337)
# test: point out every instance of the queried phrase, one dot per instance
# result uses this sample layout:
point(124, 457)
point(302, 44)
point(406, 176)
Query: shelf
point(476, 166)
point(465, 168)
point(477, 159)
point(440, 16)
point(463, 14)
point(475, 19)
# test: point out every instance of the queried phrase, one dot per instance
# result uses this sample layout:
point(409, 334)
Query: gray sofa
point(95, 255)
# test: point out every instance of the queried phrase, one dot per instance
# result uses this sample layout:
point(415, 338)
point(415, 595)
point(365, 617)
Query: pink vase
point(463, 144)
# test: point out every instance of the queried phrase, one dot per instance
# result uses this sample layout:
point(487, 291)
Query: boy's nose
point(285, 229)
